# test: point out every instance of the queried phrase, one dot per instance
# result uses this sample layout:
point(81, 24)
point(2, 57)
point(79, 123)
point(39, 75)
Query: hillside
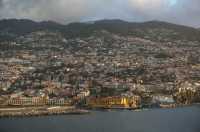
point(108, 57)
point(153, 30)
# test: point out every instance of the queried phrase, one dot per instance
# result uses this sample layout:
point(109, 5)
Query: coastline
point(62, 110)
point(40, 111)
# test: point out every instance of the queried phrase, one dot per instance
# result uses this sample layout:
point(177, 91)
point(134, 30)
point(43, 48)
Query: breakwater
point(40, 111)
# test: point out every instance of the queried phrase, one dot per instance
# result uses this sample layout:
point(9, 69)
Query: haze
point(185, 12)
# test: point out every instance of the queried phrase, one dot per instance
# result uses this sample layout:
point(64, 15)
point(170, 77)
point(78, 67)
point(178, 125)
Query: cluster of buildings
point(105, 68)
point(118, 102)
point(37, 101)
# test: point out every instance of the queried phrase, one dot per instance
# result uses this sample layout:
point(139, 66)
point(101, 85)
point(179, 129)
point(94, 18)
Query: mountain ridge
point(12, 28)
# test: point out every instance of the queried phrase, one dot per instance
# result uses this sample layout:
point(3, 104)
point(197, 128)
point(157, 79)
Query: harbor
point(27, 107)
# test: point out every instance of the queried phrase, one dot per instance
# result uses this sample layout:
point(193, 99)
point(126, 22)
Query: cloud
point(65, 11)
point(61, 10)
point(1, 3)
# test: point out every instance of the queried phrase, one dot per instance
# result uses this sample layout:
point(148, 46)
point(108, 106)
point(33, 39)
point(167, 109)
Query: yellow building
point(114, 102)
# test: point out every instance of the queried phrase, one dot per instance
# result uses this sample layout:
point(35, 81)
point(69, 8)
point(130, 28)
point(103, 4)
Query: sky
point(184, 12)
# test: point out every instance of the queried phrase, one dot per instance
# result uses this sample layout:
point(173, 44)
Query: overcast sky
point(186, 12)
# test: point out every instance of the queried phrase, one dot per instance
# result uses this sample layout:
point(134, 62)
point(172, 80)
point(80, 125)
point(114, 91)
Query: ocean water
point(185, 119)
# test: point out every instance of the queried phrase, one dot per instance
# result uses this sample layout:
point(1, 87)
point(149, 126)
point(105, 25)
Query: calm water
point(158, 120)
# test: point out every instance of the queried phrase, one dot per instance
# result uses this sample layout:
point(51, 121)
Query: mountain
point(153, 30)
point(11, 28)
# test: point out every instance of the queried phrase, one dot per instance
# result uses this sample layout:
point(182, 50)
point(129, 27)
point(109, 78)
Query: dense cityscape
point(99, 65)
point(104, 69)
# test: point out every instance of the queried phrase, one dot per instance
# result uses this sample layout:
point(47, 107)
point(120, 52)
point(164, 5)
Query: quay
point(40, 111)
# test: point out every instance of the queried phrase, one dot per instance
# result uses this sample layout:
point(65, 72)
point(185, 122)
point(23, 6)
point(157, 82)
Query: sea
point(183, 119)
